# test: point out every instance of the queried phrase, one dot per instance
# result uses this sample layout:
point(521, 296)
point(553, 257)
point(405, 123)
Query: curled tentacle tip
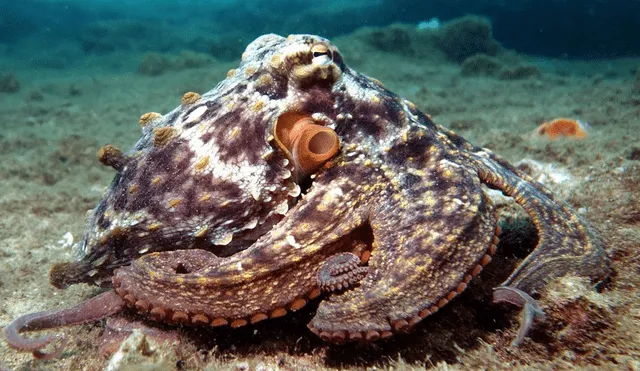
point(106, 304)
point(517, 297)
point(530, 309)
point(36, 346)
point(57, 351)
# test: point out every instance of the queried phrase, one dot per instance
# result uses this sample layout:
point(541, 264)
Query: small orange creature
point(563, 127)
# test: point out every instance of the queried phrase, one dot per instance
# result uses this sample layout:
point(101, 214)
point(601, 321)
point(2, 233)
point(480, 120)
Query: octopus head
point(219, 171)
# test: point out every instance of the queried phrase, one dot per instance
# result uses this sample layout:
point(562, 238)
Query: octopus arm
point(98, 307)
point(278, 273)
point(430, 239)
point(567, 244)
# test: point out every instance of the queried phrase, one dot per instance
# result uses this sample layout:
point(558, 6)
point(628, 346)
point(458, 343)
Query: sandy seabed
point(49, 175)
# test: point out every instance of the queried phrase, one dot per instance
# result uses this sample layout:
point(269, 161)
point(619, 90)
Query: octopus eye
point(321, 54)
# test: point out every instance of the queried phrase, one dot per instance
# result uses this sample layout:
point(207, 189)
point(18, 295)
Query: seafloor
point(55, 120)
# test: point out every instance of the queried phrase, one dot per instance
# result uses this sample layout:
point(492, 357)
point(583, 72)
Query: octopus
point(297, 178)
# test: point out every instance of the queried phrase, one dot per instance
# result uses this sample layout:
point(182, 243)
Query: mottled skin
point(205, 223)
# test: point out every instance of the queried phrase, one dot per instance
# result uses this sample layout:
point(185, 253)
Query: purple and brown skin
point(296, 178)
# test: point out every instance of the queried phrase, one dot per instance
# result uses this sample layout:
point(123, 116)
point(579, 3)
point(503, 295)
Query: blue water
point(69, 30)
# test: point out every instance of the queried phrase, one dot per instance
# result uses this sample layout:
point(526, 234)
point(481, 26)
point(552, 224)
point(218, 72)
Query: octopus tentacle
point(567, 244)
point(98, 307)
point(276, 275)
point(529, 305)
point(340, 272)
point(426, 250)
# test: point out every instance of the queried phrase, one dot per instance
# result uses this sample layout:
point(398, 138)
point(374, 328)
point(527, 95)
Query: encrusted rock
point(138, 352)
point(461, 38)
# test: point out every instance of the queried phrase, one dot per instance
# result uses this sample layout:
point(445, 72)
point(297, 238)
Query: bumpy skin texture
point(205, 223)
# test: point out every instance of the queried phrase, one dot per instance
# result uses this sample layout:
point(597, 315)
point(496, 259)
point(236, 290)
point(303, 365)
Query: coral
point(519, 72)
point(464, 37)
point(9, 83)
point(480, 65)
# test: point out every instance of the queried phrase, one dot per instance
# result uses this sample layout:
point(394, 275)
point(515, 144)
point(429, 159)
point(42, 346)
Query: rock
point(154, 64)
point(35, 96)
point(519, 72)
point(9, 83)
point(74, 91)
point(241, 366)
point(634, 154)
point(576, 314)
point(191, 59)
point(394, 38)
point(137, 352)
point(480, 65)
point(464, 37)
point(636, 85)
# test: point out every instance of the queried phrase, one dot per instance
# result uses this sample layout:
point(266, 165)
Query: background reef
point(75, 75)
point(59, 33)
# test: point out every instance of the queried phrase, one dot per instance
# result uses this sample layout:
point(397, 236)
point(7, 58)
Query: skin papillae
point(212, 219)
